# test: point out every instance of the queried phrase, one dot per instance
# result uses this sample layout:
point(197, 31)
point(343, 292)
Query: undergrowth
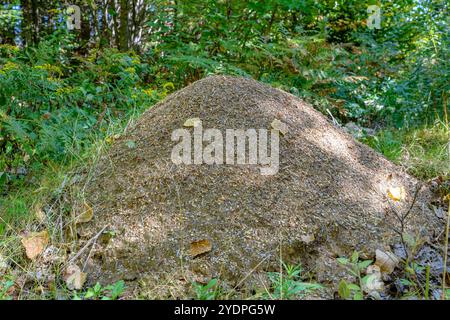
point(423, 151)
point(60, 106)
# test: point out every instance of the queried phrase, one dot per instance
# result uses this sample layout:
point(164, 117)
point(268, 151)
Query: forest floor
point(54, 257)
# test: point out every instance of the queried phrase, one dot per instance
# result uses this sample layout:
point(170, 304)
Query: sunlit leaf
point(35, 243)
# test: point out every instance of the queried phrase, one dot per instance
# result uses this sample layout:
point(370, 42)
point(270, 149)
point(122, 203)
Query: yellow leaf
point(86, 215)
point(169, 85)
point(192, 122)
point(40, 215)
point(74, 277)
point(397, 193)
point(111, 139)
point(279, 126)
point(200, 247)
point(35, 243)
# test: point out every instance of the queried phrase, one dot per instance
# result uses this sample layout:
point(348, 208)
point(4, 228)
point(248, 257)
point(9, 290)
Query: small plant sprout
point(4, 288)
point(98, 292)
point(290, 285)
point(209, 291)
point(355, 267)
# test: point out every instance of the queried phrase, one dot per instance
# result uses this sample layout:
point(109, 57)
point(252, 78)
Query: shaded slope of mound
point(328, 198)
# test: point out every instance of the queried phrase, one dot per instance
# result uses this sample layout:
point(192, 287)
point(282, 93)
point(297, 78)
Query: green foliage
point(51, 111)
point(289, 284)
point(5, 285)
point(62, 91)
point(209, 291)
point(387, 143)
point(415, 277)
point(13, 209)
point(97, 292)
point(355, 267)
point(396, 76)
point(423, 151)
point(9, 20)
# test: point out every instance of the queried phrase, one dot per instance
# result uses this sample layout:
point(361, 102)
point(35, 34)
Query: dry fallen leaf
point(40, 215)
point(280, 126)
point(200, 247)
point(3, 264)
point(86, 215)
point(74, 277)
point(192, 122)
point(387, 261)
point(372, 281)
point(397, 193)
point(34, 243)
point(307, 239)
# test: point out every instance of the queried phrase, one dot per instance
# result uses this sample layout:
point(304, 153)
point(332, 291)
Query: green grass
point(18, 208)
point(289, 284)
point(209, 291)
point(32, 205)
point(99, 292)
point(422, 151)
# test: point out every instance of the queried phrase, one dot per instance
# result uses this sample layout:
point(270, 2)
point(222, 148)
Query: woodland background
point(65, 92)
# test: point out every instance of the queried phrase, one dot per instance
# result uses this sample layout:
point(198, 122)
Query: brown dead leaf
point(279, 126)
point(373, 280)
point(355, 79)
point(74, 277)
point(39, 213)
point(308, 238)
point(200, 247)
point(86, 215)
point(192, 122)
point(35, 243)
point(387, 261)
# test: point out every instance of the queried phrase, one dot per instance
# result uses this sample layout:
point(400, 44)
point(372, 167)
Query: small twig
point(248, 274)
point(333, 118)
point(89, 255)
point(444, 275)
point(418, 188)
point(265, 288)
point(281, 269)
point(92, 240)
point(402, 219)
point(101, 116)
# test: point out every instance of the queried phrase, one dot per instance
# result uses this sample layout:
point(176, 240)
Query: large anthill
point(173, 224)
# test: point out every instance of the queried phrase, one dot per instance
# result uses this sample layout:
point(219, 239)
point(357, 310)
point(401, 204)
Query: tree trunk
point(123, 28)
point(30, 22)
point(272, 20)
point(105, 32)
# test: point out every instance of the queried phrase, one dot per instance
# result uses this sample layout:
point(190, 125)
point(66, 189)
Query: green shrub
point(52, 111)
